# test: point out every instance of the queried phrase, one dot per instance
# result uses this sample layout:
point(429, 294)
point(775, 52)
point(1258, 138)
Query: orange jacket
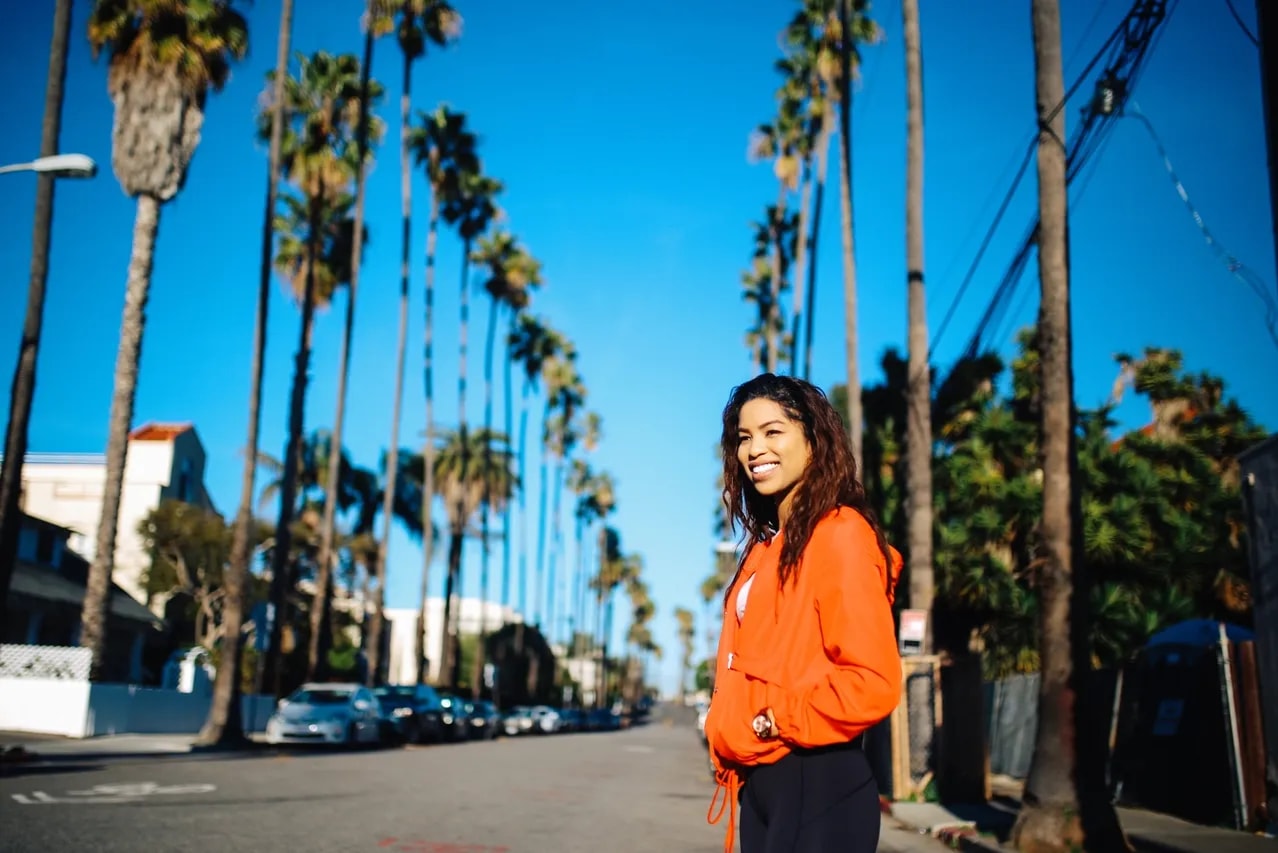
point(821, 653)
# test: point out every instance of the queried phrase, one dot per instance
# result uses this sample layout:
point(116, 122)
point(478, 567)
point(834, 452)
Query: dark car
point(485, 720)
point(415, 711)
point(455, 714)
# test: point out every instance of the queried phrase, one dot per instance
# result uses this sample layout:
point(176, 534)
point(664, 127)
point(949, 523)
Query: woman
point(807, 655)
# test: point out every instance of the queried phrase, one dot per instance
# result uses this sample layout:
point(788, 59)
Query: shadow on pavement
point(12, 771)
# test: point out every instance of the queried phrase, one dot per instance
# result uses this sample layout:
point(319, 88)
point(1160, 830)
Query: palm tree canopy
point(442, 145)
point(420, 22)
point(322, 108)
point(335, 237)
point(532, 343)
point(472, 207)
point(466, 474)
point(164, 56)
point(512, 272)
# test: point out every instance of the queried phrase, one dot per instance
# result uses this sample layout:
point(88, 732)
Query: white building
point(401, 630)
point(165, 461)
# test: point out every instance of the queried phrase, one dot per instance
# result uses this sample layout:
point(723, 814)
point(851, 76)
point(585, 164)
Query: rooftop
point(159, 431)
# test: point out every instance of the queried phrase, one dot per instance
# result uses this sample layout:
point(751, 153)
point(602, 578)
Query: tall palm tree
point(321, 102)
point(512, 273)
point(1059, 811)
point(778, 142)
point(686, 621)
point(853, 27)
point(368, 129)
point(223, 724)
point(24, 372)
point(420, 22)
point(919, 406)
point(565, 394)
point(164, 56)
point(532, 342)
point(463, 482)
point(443, 147)
point(471, 209)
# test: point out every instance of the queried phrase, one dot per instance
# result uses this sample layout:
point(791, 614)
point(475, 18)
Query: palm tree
point(812, 71)
point(444, 148)
point(223, 724)
point(321, 102)
point(778, 142)
point(531, 343)
point(853, 27)
point(471, 209)
point(24, 373)
point(368, 129)
point(919, 407)
point(463, 484)
point(685, 619)
point(1060, 811)
point(163, 59)
point(565, 395)
point(512, 273)
point(420, 22)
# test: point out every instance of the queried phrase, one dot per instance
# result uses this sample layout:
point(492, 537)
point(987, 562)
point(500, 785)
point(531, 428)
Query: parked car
point(545, 719)
point(454, 714)
point(485, 720)
point(414, 710)
point(518, 722)
point(326, 713)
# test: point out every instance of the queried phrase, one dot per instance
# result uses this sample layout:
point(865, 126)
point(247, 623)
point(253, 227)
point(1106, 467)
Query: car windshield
point(322, 697)
point(393, 692)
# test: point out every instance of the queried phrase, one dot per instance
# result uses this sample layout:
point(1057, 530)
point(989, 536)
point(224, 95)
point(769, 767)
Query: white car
point(545, 718)
point(326, 713)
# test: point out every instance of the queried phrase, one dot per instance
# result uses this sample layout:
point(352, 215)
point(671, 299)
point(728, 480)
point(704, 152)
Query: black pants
point(812, 801)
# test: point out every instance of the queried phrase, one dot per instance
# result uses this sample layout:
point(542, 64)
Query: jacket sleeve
point(854, 613)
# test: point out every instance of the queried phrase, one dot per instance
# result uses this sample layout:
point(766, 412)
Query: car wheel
point(352, 735)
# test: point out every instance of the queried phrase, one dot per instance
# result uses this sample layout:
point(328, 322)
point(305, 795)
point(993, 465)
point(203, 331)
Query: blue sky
point(620, 132)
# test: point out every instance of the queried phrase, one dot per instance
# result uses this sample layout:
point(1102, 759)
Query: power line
point(1236, 268)
point(1242, 26)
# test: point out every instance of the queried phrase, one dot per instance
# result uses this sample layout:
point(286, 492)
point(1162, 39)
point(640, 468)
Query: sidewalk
point(982, 827)
point(24, 747)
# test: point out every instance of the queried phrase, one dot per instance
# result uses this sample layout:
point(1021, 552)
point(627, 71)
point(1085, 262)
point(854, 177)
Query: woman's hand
point(765, 725)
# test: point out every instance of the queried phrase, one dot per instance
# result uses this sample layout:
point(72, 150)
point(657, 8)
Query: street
point(642, 789)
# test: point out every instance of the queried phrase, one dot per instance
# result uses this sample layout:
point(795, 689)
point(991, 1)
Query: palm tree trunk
point(464, 475)
point(451, 638)
point(849, 244)
point(523, 507)
point(428, 455)
point(94, 615)
point(800, 262)
point(543, 520)
point(376, 626)
point(1059, 812)
point(320, 620)
point(553, 591)
point(24, 373)
point(486, 504)
point(223, 725)
point(281, 553)
point(401, 350)
point(508, 395)
point(578, 587)
point(823, 163)
point(919, 398)
point(775, 323)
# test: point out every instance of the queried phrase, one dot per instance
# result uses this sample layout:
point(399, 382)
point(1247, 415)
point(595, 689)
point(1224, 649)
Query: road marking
point(128, 792)
point(642, 749)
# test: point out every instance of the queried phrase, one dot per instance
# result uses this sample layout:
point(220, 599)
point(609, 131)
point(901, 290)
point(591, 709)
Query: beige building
point(165, 461)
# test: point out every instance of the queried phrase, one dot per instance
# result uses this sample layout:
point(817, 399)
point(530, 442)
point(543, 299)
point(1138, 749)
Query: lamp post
point(57, 165)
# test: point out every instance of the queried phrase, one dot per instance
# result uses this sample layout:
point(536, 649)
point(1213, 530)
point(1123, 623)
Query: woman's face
point(771, 447)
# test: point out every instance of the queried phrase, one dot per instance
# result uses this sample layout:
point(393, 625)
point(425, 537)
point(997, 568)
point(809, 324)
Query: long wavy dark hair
point(829, 482)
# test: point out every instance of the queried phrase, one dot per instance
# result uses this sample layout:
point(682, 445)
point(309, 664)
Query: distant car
point(414, 711)
point(326, 713)
point(454, 714)
point(545, 719)
point(485, 720)
point(518, 722)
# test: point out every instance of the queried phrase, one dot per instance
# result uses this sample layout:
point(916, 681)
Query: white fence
point(80, 709)
point(67, 663)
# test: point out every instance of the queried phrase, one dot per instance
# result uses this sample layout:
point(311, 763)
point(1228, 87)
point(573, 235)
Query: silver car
point(326, 713)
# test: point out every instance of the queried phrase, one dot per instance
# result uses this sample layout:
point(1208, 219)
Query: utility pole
point(1267, 35)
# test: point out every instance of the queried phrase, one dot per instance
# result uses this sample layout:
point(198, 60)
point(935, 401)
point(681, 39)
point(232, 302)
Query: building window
point(184, 482)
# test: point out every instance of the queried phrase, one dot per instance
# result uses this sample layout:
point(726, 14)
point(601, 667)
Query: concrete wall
point(81, 709)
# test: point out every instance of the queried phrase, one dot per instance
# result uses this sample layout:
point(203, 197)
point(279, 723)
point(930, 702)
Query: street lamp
point(59, 165)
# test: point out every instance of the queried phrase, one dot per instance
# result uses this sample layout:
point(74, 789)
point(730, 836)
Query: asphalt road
point(642, 789)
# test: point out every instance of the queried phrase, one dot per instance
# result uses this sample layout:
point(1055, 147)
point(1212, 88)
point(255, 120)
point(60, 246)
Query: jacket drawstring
point(729, 784)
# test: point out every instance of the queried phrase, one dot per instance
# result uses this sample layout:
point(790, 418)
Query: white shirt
point(742, 595)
